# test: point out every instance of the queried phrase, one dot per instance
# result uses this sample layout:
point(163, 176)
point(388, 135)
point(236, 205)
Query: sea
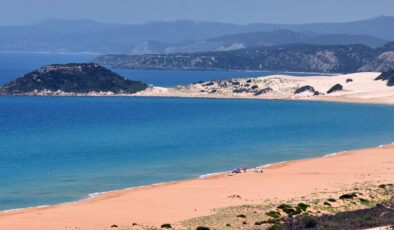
point(65, 149)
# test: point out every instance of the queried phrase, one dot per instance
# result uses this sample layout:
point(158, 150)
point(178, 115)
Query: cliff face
point(298, 58)
point(71, 78)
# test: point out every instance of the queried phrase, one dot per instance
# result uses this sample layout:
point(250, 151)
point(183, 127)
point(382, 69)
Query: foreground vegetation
point(360, 207)
point(363, 206)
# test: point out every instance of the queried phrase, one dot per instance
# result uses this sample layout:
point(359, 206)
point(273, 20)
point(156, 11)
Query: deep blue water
point(60, 149)
point(13, 66)
point(168, 78)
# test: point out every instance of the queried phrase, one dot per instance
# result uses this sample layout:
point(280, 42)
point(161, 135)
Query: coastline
point(320, 99)
point(356, 88)
point(181, 192)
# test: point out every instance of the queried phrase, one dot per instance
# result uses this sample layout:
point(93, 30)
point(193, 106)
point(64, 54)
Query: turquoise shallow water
point(60, 149)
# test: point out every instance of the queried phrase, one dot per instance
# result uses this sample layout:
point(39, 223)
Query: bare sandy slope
point(357, 87)
point(172, 202)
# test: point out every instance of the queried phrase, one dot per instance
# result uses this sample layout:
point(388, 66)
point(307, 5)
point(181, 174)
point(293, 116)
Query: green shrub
point(382, 186)
point(348, 196)
point(235, 83)
point(241, 216)
point(166, 226)
point(290, 210)
point(273, 214)
point(255, 87)
point(331, 200)
point(244, 222)
point(228, 225)
point(271, 221)
point(209, 84)
point(259, 223)
point(337, 87)
point(243, 90)
point(114, 226)
point(202, 228)
point(387, 76)
point(284, 206)
point(364, 201)
point(249, 81)
point(326, 203)
point(303, 206)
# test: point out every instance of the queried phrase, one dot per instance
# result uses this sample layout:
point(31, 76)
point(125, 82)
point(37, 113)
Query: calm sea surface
point(13, 66)
point(61, 149)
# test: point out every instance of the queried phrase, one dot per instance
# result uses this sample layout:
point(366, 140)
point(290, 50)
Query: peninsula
point(94, 80)
point(367, 87)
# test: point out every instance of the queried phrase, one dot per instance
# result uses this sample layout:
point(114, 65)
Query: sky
point(17, 12)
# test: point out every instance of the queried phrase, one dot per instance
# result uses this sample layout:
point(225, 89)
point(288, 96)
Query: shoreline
point(107, 195)
point(354, 88)
point(319, 99)
point(93, 195)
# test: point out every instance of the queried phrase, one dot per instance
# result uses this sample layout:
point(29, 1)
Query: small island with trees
point(73, 79)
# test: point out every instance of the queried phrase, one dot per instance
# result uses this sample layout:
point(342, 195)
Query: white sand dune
point(357, 87)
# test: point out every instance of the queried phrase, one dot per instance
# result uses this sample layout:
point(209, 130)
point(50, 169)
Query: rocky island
point(74, 79)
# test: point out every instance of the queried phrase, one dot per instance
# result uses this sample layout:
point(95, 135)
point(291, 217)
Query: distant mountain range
point(185, 36)
point(254, 39)
point(296, 57)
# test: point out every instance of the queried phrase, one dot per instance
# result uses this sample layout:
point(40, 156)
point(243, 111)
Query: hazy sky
point(234, 11)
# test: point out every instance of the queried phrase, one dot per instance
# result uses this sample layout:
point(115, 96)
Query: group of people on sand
point(244, 170)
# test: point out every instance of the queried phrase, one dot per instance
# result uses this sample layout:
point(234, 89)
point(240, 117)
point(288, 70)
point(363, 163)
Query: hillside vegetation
point(72, 78)
point(387, 76)
point(296, 58)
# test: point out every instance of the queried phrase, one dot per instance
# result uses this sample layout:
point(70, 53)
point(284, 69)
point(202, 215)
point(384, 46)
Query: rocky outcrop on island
point(296, 58)
point(74, 79)
point(387, 76)
point(337, 87)
point(305, 88)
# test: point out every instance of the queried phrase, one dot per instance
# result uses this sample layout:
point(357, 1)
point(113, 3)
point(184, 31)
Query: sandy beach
point(177, 201)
